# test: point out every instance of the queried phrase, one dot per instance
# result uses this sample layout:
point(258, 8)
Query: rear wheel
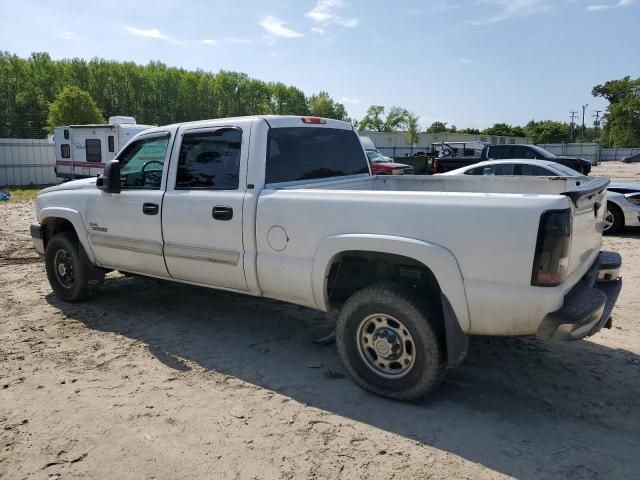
point(70, 274)
point(613, 219)
point(390, 343)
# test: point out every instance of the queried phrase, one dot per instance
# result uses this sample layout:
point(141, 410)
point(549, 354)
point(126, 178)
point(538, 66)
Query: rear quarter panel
point(492, 237)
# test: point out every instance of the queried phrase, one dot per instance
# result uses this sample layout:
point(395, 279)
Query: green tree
point(470, 131)
point(322, 105)
point(412, 135)
point(373, 120)
point(438, 127)
point(548, 131)
point(376, 120)
point(73, 106)
point(622, 119)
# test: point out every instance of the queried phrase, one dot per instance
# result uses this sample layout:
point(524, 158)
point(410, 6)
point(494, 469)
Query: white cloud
point(68, 36)
point(350, 100)
point(325, 13)
point(621, 3)
point(276, 27)
point(466, 60)
point(512, 9)
point(152, 33)
point(237, 40)
point(208, 41)
point(317, 30)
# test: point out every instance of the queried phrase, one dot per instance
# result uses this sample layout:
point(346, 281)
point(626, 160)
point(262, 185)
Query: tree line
point(158, 94)
point(153, 93)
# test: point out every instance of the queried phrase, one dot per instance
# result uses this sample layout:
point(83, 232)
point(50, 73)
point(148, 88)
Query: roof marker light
point(314, 120)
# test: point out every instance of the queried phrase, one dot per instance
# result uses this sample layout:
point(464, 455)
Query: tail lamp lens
point(551, 261)
point(633, 198)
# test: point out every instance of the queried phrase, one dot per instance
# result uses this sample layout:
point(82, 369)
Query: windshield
point(377, 157)
point(543, 152)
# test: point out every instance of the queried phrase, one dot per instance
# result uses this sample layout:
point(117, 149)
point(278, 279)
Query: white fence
point(26, 162)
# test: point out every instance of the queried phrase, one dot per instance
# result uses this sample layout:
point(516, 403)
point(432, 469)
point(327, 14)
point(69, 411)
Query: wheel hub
point(63, 265)
point(386, 346)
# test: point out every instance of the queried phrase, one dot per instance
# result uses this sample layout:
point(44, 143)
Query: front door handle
point(221, 212)
point(150, 208)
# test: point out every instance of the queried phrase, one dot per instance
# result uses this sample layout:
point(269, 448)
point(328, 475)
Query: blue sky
point(468, 62)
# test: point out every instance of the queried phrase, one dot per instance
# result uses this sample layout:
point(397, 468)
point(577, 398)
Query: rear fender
point(438, 259)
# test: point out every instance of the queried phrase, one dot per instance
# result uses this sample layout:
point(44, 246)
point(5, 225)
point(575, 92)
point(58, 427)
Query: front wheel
point(390, 343)
point(71, 275)
point(613, 219)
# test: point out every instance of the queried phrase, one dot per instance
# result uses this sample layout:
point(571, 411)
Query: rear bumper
point(37, 237)
point(588, 306)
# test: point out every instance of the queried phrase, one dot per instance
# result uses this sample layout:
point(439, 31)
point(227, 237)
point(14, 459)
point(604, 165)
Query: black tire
point(424, 326)
point(618, 219)
point(83, 278)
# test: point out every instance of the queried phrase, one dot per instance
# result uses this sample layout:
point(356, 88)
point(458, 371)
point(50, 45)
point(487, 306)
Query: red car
point(381, 165)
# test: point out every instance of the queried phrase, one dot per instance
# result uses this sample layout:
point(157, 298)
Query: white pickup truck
point(286, 208)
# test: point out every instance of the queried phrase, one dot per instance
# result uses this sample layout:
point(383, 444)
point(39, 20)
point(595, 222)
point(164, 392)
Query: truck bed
point(486, 224)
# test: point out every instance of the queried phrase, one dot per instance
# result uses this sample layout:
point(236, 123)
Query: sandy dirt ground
point(164, 381)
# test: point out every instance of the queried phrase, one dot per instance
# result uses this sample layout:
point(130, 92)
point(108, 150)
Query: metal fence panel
point(26, 161)
point(612, 154)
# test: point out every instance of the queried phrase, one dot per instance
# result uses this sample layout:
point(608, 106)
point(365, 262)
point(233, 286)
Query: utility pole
point(596, 122)
point(572, 125)
point(584, 107)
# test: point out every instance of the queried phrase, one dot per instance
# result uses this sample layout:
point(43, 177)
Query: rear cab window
point(307, 153)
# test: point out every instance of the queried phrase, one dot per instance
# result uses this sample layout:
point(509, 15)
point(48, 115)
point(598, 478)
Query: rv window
point(111, 143)
point(65, 150)
point(66, 134)
point(94, 150)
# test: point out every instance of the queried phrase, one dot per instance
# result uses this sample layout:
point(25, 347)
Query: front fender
point(74, 217)
point(435, 257)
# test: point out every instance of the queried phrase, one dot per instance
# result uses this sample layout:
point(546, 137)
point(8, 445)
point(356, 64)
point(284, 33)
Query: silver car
point(623, 205)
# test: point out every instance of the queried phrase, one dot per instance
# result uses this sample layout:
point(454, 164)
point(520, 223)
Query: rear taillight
point(633, 198)
point(314, 120)
point(551, 261)
point(435, 165)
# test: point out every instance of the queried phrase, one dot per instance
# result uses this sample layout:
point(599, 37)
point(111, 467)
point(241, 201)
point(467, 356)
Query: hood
point(73, 185)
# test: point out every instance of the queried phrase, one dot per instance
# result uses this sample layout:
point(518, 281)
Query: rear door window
point(210, 160)
point(303, 153)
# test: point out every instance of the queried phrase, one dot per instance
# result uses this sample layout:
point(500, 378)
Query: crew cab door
point(125, 228)
point(202, 208)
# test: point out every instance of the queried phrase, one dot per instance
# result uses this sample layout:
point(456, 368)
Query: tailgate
point(588, 205)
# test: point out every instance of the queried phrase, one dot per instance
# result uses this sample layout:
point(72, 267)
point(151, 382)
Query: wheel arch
point(437, 260)
point(59, 219)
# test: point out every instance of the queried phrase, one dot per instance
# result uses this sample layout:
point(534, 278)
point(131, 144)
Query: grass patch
point(22, 194)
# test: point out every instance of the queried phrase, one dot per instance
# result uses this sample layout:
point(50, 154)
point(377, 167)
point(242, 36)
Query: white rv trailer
point(83, 150)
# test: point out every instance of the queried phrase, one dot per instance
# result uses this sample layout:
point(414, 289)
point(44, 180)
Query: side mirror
point(110, 180)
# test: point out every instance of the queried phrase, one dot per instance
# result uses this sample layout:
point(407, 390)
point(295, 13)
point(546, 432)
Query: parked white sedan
point(623, 205)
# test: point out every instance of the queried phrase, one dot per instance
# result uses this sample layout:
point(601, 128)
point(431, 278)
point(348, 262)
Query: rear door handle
point(150, 208)
point(221, 212)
